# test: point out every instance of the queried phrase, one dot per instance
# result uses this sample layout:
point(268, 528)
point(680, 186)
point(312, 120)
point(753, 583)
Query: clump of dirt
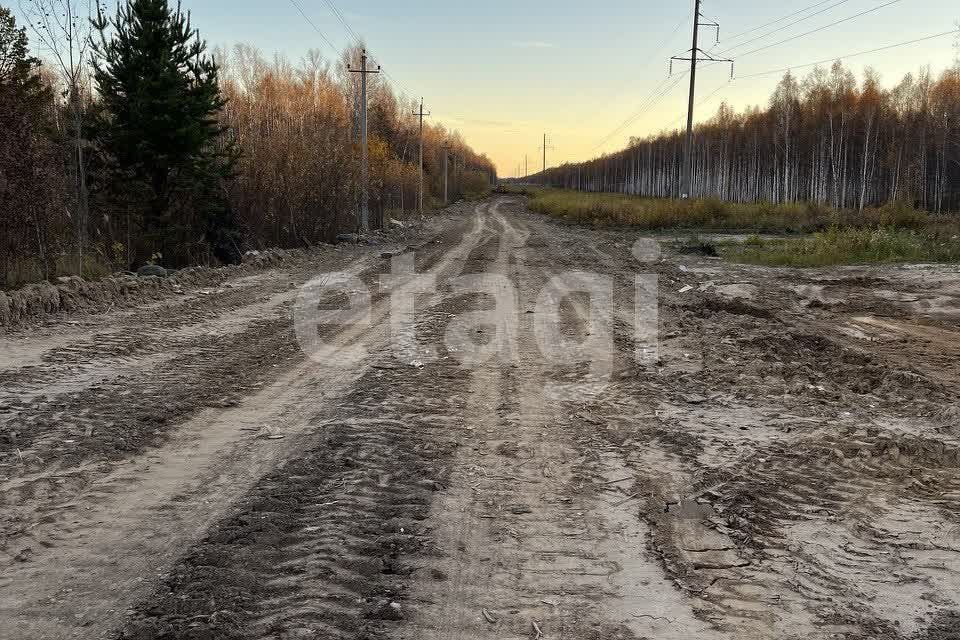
point(71, 294)
point(698, 247)
point(946, 626)
point(735, 306)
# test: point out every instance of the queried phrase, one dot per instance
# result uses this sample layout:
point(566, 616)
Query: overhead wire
point(850, 55)
point(656, 97)
point(662, 47)
point(818, 29)
point(817, 62)
point(784, 27)
point(343, 21)
point(781, 19)
point(652, 99)
point(314, 25)
point(631, 118)
point(351, 33)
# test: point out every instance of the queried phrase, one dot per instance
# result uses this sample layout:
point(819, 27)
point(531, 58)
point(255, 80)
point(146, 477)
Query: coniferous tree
point(29, 184)
point(160, 101)
point(17, 67)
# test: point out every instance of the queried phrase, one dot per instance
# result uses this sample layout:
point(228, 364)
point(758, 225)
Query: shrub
point(475, 184)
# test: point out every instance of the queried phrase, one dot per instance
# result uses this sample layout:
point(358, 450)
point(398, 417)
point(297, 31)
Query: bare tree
point(853, 145)
point(63, 28)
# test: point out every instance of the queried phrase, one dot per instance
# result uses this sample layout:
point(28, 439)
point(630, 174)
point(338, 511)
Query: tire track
point(527, 541)
point(144, 512)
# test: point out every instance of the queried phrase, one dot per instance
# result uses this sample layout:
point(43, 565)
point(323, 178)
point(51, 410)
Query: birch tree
point(64, 28)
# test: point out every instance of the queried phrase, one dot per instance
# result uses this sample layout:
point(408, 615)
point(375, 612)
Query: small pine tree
point(160, 102)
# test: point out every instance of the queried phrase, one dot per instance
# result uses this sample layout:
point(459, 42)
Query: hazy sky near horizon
point(504, 72)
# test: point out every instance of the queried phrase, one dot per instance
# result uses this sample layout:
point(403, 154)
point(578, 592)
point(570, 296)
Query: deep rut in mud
point(786, 463)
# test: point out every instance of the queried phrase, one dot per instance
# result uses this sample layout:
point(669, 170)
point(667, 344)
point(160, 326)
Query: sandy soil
point(784, 462)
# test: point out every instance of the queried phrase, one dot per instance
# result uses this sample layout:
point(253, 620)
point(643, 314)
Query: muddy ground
point(781, 459)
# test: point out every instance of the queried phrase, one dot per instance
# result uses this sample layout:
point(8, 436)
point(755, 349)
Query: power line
point(702, 102)
point(812, 64)
point(849, 55)
point(315, 27)
point(655, 97)
point(339, 16)
point(333, 47)
point(666, 41)
point(352, 34)
point(713, 93)
point(781, 19)
point(652, 98)
point(786, 26)
point(818, 29)
point(659, 50)
point(644, 105)
point(397, 84)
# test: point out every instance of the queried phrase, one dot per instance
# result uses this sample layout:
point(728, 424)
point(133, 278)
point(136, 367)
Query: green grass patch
point(839, 245)
point(815, 235)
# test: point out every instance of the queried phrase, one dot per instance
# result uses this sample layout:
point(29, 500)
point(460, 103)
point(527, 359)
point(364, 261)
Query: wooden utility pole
point(446, 172)
point(695, 52)
point(544, 156)
point(365, 159)
point(420, 192)
point(544, 148)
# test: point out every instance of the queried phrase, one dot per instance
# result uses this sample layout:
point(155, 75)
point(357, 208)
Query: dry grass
point(710, 214)
point(820, 235)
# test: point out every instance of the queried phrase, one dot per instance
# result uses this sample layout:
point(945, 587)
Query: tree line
point(826, 139)
point(133, 143)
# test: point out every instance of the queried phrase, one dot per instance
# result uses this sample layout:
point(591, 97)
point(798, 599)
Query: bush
point(474, 184)
point(902, 216)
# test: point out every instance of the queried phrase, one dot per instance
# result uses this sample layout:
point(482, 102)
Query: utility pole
point(420, 192)
point(695, 52)
point(446, 158)
point(365, 160)
point(526, 166)
point(459, 166)
point(544, 148)
point(544, 156)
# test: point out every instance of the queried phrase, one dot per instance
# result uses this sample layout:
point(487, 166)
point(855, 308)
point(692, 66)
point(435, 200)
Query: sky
point(503, 72)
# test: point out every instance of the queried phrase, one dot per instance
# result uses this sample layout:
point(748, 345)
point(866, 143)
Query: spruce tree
point(17, 67)
point(160, 101)
point(29, 178)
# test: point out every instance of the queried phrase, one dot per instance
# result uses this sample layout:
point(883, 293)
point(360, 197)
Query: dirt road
point(782, 462)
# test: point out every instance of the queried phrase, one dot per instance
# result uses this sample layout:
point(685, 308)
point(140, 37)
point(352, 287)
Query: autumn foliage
point(298, 127)
point(291, 132)
point(826, 140)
